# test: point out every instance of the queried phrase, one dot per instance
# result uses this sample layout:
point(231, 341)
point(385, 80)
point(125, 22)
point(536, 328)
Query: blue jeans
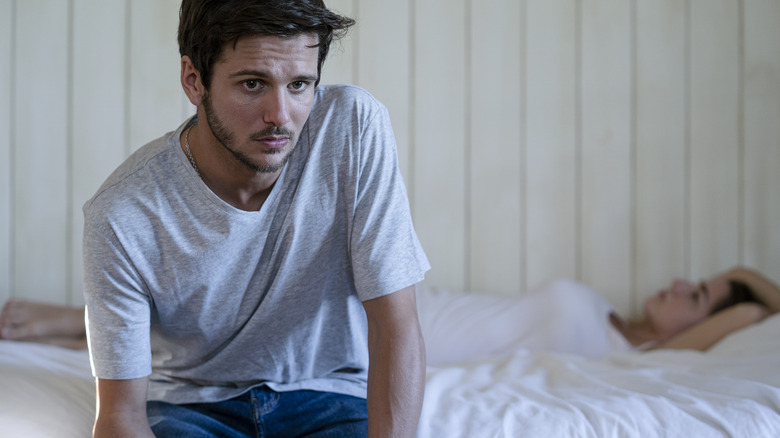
point(262, 413)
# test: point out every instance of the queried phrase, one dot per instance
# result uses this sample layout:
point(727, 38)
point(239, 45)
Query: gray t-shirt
point(212, 300)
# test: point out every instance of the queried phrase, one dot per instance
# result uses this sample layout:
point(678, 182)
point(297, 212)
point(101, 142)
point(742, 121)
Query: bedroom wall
point(621, 143)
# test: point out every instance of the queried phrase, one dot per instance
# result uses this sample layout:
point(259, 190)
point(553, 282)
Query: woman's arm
point(707, 333)
point(763, 288)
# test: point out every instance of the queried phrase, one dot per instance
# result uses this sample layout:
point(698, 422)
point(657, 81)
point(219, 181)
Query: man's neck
point(229, 179)
point(243, 196)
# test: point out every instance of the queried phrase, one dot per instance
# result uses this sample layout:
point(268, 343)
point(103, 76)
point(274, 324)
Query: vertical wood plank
point(155, 93)
point(551, 166)
point(6, 172)
point(98, 110)
point(339, 66)
point(762, 136)
point(606, 215)
point(40, 154)
point(714, 136)
point(385, 66)
point(495, 147)
point(660, 193)
point(440, 146)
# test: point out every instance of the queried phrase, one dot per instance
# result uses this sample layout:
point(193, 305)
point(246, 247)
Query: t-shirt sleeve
point(118, 311)
point(386, 253)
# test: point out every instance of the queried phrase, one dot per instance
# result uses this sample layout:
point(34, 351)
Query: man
point(242, 271)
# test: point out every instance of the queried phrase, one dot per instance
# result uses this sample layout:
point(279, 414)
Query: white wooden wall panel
point(618, 143)
point(496, 144)
point(339, 66)
point(41, 148)
point(439, 139)
point(385, 39)
point(661, 155)
point(714, 136)
point(154, 91)
point(6, 168)
point(551, 157)
point(762, 136)
point(606, 217)
point(98, 111)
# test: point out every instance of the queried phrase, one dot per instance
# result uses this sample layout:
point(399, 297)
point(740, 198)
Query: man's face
point(260, 96)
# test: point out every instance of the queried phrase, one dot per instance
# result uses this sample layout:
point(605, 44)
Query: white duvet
point(732, 390)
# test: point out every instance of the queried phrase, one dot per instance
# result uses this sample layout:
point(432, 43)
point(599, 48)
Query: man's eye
point(298, 85)
point(251, 84)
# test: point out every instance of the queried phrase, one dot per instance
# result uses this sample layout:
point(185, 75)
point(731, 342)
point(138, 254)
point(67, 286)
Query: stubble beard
point(226, 138)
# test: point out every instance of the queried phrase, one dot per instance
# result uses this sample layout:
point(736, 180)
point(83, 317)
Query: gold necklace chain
point(189, 152)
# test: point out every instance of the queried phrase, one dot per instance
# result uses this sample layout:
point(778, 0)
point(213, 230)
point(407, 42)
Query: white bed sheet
point(732, 390)
point(45, 391)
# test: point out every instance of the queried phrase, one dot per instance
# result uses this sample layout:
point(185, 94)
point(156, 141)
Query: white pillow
point(761, 338)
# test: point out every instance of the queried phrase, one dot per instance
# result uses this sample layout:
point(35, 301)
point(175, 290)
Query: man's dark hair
point(738, 293)
point(207, 26)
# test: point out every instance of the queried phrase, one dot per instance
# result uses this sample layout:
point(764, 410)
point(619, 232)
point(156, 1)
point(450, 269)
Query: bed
point(733, 390)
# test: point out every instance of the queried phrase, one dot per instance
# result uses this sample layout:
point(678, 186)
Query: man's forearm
point(396, 372)
point(121, 409)
point(396, 384)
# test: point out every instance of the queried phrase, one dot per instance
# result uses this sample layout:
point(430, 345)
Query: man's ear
point(191, 81)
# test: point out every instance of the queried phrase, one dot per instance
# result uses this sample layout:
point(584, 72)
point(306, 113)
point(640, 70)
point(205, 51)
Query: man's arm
point(396, 372)
point(121, 409)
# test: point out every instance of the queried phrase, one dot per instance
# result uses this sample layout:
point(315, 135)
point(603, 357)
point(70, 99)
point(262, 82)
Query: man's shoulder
point(129, 178)
point(345, 97)
point(343, 92)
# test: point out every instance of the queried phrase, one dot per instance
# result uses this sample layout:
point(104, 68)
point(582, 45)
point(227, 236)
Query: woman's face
point(684, 304)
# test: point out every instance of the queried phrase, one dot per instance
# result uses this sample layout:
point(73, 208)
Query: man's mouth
point(275, 142)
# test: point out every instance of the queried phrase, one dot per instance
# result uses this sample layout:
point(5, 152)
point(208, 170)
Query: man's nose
point(276, 108)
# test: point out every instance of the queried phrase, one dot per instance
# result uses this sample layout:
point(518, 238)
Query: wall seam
point(467, 173)
point(69, 120)
point(523, 126)
point(742, 144)
point(633, 154)
point(688, 142)
point(412, 105)
point(578, 152)
point(356, 44)
point(12, 153)
point(128, 76)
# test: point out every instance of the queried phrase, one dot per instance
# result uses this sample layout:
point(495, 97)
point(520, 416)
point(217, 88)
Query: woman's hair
point(207, 26)
point(738, 293)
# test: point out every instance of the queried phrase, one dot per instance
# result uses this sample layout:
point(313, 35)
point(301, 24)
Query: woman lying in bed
point(564, 317)
point(568, 317)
